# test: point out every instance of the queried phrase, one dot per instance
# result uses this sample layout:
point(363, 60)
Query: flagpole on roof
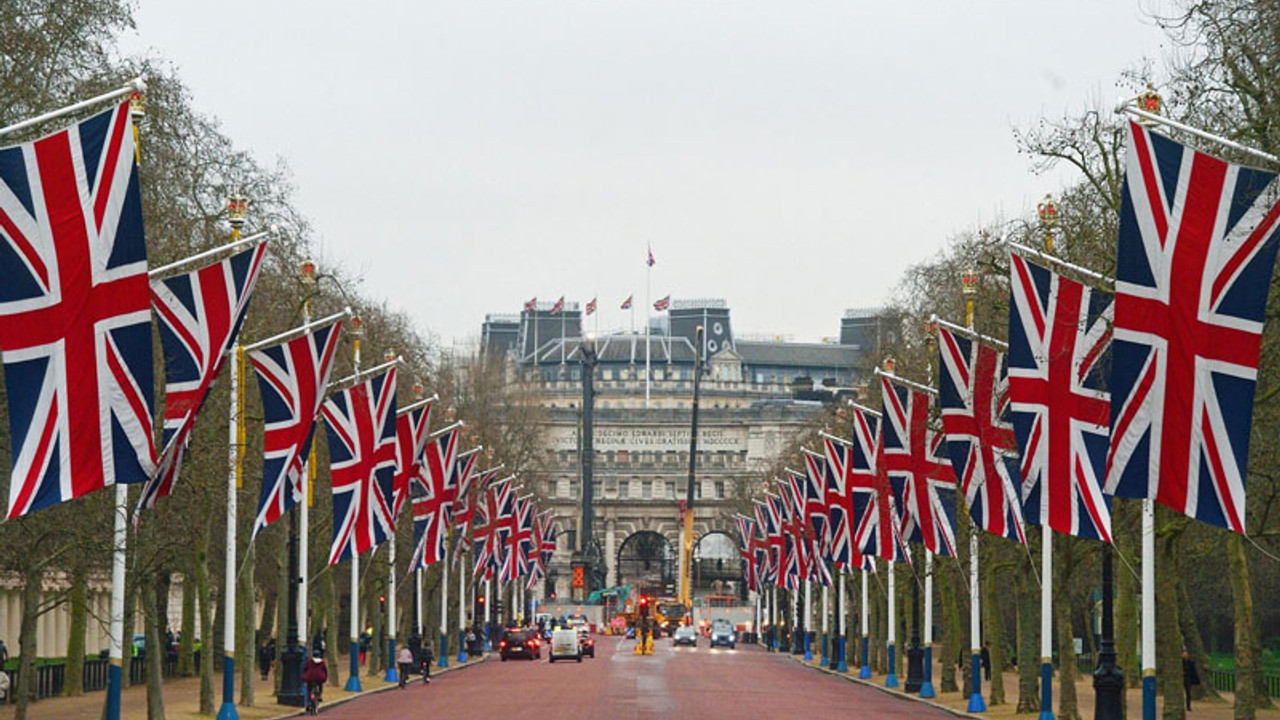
point(138, 85)
point(648, 320)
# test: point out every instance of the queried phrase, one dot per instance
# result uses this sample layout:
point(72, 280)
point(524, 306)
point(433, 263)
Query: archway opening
point(717, 569)
point(647, 562)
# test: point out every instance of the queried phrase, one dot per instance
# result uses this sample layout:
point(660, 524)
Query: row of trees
point(55, 53)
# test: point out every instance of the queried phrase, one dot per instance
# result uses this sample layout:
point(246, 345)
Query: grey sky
point(793, 157)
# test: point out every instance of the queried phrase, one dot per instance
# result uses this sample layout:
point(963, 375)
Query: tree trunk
point(73, 683)
point(1126, 600)
point(25, 691)
point(206, 625)
point(1064, 566)
point(130, 622)
point(151, 594)
point(1246, 634)
point(1193, 643)
point(186, 646)
point(246, 648)
point(878, 617)
point(954, 646)
point(267, 623)
point(992, 611)
point(374, 668)
point(1028, 639)
point(1168, 639)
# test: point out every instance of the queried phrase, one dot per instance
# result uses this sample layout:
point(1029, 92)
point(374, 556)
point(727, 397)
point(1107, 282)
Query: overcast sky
point(792, 157)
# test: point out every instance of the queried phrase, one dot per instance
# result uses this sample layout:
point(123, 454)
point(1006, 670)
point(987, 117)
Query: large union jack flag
point(816, 478)
point(75, 321)
point(973, 392)
point(515, 563)
point(914, 459)
point(489, 538)
point(361, 421)
point(1059, 335)
point(291, 379)
point(746, 552)
point(411, 441)
point(200, 314)
point(771, 542)
point(1196, 248)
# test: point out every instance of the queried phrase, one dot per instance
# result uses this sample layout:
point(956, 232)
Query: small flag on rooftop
point(558, 307)
point(591, 306)
point(531, 305)
point(662, 303)
point(626, 304)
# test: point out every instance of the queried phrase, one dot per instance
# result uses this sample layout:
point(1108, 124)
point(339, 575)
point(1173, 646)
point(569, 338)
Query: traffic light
point(644, 607)
point(480, 600)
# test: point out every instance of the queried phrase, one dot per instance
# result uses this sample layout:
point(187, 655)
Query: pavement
point(681, 683)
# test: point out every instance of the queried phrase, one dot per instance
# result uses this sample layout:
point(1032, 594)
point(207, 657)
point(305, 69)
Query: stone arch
point(716, 567)
point(647, 562)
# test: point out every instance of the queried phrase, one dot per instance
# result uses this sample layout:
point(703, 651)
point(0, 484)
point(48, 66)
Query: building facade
point(756, 396)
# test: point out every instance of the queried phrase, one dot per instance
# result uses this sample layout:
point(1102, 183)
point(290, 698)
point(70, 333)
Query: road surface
point(680, 683)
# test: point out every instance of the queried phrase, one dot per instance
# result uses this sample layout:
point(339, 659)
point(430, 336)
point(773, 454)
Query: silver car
point(723, 634)
point(685, 635)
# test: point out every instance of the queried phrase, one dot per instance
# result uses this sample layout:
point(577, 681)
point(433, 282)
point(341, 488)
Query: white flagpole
point(976, 703)
point(1148, 610)
point(443, 660)
point(808, 619)
point(773, 612)
point(488, 600)
point(418, 626)
point(135, 85)
point(392, 672)
point(864, 671)
point(1046, 623)
point(115, 672)
point(236, 432)
point(353, 680)
point(891, 680)
point(462, 606)
point(842, 624)
point(826, 612)
point(926, 688)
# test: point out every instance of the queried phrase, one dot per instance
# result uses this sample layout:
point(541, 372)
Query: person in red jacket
point(314, 676)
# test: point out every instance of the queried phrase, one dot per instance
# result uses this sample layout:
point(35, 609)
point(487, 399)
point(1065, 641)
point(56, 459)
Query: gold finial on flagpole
point(1150, 101)
point(138, 113)
point(237, 211)
point(1048, 211)
point(969, 281)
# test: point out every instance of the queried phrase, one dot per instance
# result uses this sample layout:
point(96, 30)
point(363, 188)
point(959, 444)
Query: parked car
point(685, 635)
point(564, 645)
point(519, 643)
point(723, 633)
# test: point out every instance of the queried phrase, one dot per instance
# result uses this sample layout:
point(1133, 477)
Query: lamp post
point(1108, 678)
point(686, 571)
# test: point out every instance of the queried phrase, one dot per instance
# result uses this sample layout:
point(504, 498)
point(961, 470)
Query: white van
point(564, 645)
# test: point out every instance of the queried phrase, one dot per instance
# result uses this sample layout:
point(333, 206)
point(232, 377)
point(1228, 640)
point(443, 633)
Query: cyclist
point(314, 676)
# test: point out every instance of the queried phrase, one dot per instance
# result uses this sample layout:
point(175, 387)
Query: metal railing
point(51, 677)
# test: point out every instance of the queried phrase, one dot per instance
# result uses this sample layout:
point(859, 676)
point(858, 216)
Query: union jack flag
point(426, 511)
point(362, 462)
point(877, 533)
point(650, 261)
point(558, 307)
point(1196, 248)
point(531, 305)
point(662, 303)
point(845, 504)
point(786, 571)
point(291, 379)
point(913, 458)
point(591, 306)
point(411, 442)
point(1059, 335)
point(626, 304)
point(471, 487)
point(747, 534)
point(798, 538)
point(771, 542)
point(973, 392)
point(440, 484)
point(816, 478)
point(490, 537)
point(200, 316)
point(75, 322)
point(515, 562)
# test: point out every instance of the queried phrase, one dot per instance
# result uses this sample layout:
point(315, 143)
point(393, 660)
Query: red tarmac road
point(683, 684)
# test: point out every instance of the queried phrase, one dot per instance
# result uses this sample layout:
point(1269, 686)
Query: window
point(624, 489)
point(719, 489)
point(574, 488)
point(624, 457)
point(671, 490)
point(698, 490)
point(646, 490)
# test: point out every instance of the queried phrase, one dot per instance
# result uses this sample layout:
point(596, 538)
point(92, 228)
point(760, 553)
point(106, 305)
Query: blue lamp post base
point(353, 677)
point(864, 671)
point(926, 687)
point(1148, 697)
point(462, 646)
point(891, 680)
point(1046, 691)
point(391, 675)
point(228, 709)
point(444, 651)
point(842, 661)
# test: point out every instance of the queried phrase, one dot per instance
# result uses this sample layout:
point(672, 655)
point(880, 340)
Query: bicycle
point(313, 701)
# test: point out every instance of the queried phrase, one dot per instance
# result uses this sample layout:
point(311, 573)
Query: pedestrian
point(4, 655)
point(266, 656)
point(986, 661)
point(428, 656)
point(1190, 675)
point(405, 660)
point(471, 642)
